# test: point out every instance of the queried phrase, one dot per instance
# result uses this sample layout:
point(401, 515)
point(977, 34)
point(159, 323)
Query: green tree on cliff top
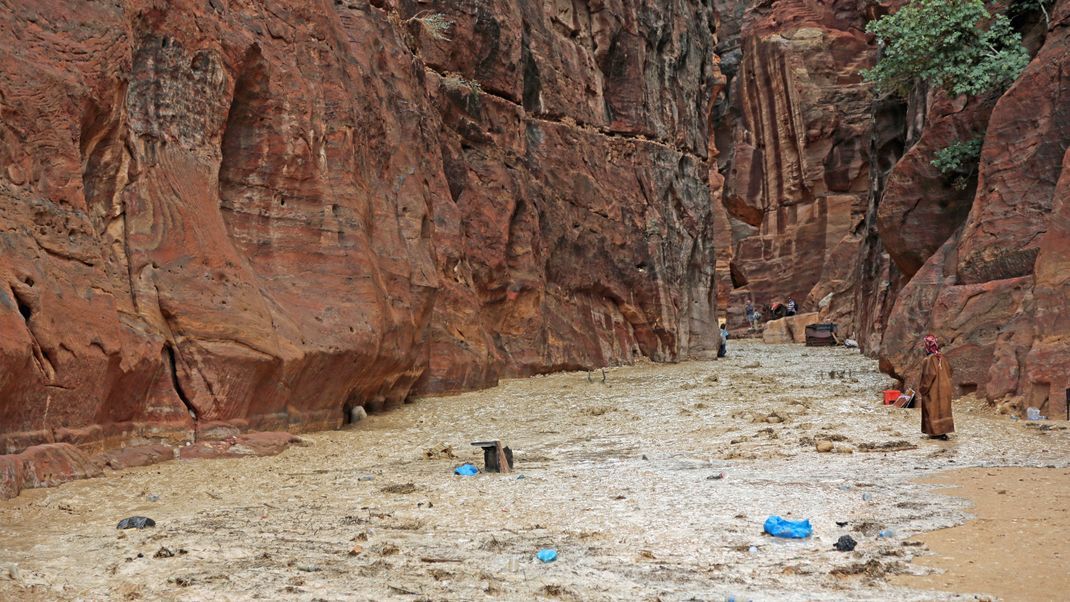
point(955, 45)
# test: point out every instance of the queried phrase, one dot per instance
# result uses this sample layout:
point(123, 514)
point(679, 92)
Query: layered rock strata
point(793, 133)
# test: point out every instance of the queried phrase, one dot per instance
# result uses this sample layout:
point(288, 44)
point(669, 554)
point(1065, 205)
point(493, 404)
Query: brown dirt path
point(623, 478)
point(1017, 548)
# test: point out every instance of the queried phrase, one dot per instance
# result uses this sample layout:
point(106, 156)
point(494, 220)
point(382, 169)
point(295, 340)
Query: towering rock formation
point(997, 289)
point(793, 133)
point(225, 215)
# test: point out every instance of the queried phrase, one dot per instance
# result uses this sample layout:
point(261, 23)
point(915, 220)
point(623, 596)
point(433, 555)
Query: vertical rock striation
point(794, 136)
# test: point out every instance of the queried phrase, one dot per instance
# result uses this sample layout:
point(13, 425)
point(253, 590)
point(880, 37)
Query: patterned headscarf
point(931, 345)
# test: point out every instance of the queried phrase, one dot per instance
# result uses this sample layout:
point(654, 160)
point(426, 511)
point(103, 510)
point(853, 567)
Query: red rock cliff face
point(830, 196)
point(997, 291)
point(228, 214)
point(794, 134)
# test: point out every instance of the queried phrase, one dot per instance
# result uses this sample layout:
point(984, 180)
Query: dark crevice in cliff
point(27, 307)
point(532, 84)
point(568, 121)
point(176, 383)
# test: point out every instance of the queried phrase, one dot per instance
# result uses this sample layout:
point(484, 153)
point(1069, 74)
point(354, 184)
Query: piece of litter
point(845, 543)
point(715, 477)
point(791, 529)
point(867, 496)
point(886, 533)
point(466, 470)
point(547, 555)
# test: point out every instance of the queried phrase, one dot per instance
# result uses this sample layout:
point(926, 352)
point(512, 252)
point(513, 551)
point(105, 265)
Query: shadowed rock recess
point(220, 216)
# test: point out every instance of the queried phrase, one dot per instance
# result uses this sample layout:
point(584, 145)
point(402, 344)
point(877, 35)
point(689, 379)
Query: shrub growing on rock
point(954, 45)
point(959, 160)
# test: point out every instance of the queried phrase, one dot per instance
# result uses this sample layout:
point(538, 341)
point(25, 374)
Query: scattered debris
point(547, 555)
point(845, 543)
point(402, 488)
point(791, 529)
point(366, 478)
point(495, 457)
point(887, 446)
point(136, 522)
point(440, 452)
point(715, 477)
point(163, 553)
point(466, 470)
point(182, 581)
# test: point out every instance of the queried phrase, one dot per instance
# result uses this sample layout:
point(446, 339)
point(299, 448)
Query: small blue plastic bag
point(791, 529)
point(547, 555)
point(466, 470)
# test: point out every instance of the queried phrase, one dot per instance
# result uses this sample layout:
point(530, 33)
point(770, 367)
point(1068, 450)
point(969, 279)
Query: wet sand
point(1016, 548)
point(623, 479)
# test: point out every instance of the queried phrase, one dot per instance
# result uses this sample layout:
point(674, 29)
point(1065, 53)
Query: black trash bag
point(845, 543)
point(136, 522)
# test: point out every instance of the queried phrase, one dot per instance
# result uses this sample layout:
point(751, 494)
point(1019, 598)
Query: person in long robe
point(935, 392)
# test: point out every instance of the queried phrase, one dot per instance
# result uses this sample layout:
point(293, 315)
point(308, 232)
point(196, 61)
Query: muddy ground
point(622, 478)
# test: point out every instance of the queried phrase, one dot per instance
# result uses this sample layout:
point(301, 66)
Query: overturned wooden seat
point(495, 457)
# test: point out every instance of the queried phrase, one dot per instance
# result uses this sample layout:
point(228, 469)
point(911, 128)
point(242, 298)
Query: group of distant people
point(774, 311)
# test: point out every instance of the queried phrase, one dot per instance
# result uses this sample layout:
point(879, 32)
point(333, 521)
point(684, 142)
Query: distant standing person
point(723, 349)
point(792, 308)
point(752, 316)
point(935, 392)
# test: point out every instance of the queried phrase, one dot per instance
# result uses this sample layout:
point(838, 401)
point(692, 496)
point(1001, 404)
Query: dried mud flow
point(623, 478)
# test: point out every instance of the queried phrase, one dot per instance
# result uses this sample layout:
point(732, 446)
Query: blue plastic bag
point(466, 470)
point(792, 529)
point(547, 555)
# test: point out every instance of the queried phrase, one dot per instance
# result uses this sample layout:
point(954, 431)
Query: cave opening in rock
point(24, 309)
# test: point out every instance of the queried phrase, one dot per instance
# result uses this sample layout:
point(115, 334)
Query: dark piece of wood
point(495, 457)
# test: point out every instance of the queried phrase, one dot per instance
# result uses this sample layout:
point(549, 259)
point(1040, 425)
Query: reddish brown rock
point(996, 293)
point(920, 207)
point(227, 216)
point(138, 455)
point(795, 155)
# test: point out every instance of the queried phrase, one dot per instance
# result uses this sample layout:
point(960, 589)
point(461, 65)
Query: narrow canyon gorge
point(225, 217)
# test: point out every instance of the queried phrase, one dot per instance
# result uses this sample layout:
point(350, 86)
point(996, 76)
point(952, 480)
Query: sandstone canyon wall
point(228, 215)
point(830, 196)
point(997, 289)
point(793, 134)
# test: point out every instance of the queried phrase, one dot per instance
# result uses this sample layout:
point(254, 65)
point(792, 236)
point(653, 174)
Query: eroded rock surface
point(996, 292)
point(254, 216)
point(794, 140)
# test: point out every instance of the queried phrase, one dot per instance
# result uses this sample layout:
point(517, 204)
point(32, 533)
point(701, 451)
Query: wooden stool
point(495, 457)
